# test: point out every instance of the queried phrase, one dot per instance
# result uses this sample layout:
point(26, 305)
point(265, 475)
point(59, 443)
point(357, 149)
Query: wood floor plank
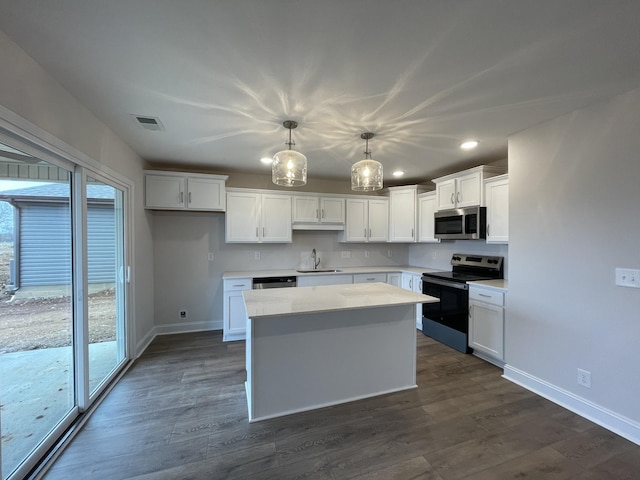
point(181, 413)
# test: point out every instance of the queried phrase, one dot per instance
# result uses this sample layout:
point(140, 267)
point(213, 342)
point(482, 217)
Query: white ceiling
point(423, 75)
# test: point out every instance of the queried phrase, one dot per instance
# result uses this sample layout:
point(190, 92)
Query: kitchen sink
point(319, 270)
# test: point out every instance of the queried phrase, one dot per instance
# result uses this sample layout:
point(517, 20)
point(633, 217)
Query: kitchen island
point(311, 347)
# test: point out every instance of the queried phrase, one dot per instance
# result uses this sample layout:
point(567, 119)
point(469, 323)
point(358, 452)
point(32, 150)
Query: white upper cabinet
point(318, 212)
point(463, 189)
point(426, 208)
point(497, 199)
point(184, 191)
point(403, 212)
point(254, 217)
point(367, 220)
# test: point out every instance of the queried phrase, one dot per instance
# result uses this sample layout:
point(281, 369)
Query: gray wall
point(28, 91)
point(185, 279)
point(574, 217)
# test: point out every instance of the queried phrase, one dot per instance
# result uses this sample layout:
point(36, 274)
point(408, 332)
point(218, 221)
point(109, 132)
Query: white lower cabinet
point(413, 282)
point(394, 279)
point(234, 321)
point(370, 278)
point(486, 323)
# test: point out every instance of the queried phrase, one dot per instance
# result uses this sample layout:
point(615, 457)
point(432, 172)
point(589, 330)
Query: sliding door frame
point(22, 135)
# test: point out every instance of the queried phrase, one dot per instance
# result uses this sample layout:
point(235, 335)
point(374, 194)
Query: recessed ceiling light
point(398, 173)
point(469, 145)
point(266, 160)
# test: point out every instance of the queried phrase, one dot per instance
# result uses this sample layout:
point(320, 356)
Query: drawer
point(370, 278)
point(231, 284)
point(486, 295)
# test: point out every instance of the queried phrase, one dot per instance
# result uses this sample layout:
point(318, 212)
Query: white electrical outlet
point(389, 253)
point(256, 255)
point(584, 378)
point(346, 253)
point(628, 277)
point(366, 254)
point(211, 256)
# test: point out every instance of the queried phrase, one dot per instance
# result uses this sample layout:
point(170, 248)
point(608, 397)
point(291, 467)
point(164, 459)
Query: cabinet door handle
point(488, 230)
point(189, 197)
point(240, 285)
point(181, 197)
point(369, 233)
point(256, 232)
point(371, 279)
point(263, 232)
point(317, 213)
point(412, 233)
point(452, 201)
point(365, 233)
point(458, 197)
point(323, 213)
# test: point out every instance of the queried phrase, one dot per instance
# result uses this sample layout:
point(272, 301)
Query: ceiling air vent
point(149, 123)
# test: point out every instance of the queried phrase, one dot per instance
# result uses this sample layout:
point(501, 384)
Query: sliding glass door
point(63, 298)
point(37, 388)
point(106, 277)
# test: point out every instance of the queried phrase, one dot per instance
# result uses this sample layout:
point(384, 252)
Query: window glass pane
point(36, 322)
point(105, 269)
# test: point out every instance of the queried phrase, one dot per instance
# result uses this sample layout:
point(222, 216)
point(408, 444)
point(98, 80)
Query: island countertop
point(327, 298)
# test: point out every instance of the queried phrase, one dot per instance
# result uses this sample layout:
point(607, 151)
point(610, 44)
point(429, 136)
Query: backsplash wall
point(438, 255)
point(184, 278)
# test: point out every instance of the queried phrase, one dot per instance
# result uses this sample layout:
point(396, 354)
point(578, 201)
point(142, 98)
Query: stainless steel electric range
point(448, 320)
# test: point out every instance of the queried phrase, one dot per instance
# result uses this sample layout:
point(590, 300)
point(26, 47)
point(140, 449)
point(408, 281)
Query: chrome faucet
point(316, 260)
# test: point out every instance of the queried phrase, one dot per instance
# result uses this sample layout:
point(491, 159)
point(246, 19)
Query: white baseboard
point(625, 427)
point(187, 327)
point(145, 342)
point(174, 328)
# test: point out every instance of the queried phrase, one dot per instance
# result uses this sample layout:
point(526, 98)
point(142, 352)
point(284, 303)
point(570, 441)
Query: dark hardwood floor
point(180, 413)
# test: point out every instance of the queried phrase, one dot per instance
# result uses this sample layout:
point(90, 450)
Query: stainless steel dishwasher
point(274, 282)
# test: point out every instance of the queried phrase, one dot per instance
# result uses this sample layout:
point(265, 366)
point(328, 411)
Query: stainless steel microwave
point(468, 223)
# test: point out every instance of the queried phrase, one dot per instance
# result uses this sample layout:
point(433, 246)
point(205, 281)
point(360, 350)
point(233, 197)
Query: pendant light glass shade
point(289, 168)
point(366, 175)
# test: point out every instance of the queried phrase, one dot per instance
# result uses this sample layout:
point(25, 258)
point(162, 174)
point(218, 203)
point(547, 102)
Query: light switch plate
point(628, 277)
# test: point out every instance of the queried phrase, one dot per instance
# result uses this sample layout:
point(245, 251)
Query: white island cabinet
point(311, 347)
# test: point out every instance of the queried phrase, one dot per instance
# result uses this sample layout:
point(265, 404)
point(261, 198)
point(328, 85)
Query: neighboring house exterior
point(42, 248)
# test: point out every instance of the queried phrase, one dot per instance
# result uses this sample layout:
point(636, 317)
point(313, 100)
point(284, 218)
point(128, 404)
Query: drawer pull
point(484, 295)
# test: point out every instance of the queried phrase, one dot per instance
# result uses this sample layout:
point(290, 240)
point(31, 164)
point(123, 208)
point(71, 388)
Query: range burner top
point(467, 268)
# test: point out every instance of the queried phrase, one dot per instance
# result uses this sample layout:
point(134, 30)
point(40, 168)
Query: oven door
point(453, 308)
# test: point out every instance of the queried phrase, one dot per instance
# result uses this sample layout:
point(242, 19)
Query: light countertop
point(500, 284)
point(288, 301)
point(343, 271)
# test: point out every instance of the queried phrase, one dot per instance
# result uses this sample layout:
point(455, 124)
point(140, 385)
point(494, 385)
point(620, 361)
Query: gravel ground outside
point(34, 323)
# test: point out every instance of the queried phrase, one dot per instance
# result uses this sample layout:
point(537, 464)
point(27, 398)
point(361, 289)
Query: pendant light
point(289, 168)
point(366, 175)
